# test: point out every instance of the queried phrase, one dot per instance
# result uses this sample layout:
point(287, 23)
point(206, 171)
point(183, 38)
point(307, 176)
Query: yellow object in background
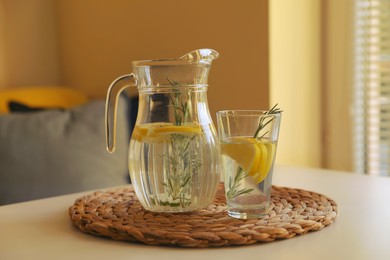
point(42, 97)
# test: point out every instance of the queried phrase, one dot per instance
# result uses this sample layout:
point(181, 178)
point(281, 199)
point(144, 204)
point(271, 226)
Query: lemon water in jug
point(173, 151)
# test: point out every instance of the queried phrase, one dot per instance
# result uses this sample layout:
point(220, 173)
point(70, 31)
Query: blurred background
point(325, 62)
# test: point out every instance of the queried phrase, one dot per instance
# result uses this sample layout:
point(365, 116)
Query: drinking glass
point(248, 141)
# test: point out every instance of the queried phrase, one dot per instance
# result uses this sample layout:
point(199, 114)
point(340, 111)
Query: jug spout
point(204, 56)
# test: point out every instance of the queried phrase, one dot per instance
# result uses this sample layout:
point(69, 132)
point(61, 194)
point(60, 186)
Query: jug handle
point(111, 108)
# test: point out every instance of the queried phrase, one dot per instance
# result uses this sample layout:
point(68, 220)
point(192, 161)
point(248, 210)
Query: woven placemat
point(117, 214)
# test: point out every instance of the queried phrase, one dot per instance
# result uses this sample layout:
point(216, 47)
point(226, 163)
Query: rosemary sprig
point(181, 164)
point(182, 110)
point(264, 121)
point(234, 184)
point(178, 165)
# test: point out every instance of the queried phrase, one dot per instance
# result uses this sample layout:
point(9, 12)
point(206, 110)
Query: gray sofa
point(54, 152)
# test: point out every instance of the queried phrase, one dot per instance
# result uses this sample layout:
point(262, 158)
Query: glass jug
point(173, 152)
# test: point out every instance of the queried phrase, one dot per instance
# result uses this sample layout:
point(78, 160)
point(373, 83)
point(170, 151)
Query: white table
point(41, 229)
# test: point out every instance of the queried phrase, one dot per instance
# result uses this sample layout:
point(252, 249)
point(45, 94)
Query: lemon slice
point(139, 133)
point(261, 171)
point(268, 150)
point(160, 132)
point(244, 151)
point(271, 150)
point(254, 156)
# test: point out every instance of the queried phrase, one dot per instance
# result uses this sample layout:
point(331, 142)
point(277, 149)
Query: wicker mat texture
point(117, 214)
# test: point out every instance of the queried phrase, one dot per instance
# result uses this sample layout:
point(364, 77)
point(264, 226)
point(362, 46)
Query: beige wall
point(86, 44)
point(99, 40)
point(311, 47)
point(28, 43)
point(2, 50)
point(337, 84)
point(295, 79)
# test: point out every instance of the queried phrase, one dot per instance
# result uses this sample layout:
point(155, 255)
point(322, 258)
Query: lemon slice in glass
point(244, 151)
point(254, 156)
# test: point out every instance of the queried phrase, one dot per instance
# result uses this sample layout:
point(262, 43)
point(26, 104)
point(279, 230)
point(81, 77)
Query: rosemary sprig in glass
point(234, 183)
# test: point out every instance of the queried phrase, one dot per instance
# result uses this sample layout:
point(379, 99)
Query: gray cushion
point(55, 152)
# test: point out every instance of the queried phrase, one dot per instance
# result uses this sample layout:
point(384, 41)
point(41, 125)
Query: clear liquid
point(175, 171)
point(246, 198)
